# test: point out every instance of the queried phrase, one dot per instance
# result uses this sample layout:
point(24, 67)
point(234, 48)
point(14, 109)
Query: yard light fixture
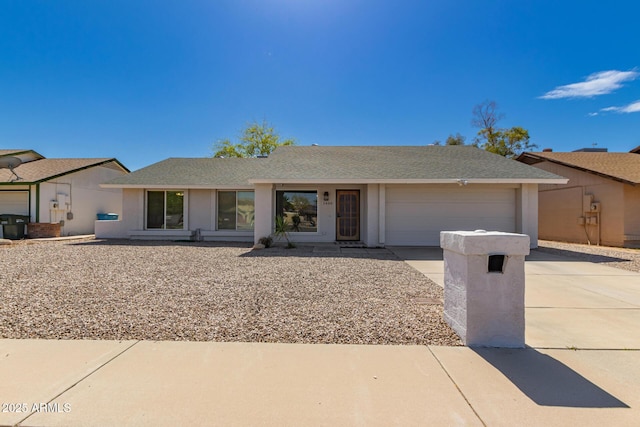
point(326, 196)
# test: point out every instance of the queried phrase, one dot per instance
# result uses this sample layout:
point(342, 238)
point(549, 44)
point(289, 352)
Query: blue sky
point(145, 80)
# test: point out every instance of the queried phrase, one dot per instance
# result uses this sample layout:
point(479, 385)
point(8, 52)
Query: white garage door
point(14, 202)
point(415, 214)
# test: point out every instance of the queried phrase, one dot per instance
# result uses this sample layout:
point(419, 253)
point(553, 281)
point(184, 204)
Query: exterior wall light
point(326, 196)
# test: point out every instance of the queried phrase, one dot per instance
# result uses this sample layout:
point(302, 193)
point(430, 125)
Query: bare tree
point(506, 142)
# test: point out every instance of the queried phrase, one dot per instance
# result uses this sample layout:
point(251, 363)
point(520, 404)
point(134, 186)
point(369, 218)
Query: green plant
point(266, 241)
point(281, 231)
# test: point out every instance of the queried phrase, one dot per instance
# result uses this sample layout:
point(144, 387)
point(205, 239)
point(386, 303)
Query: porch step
point(350, 244)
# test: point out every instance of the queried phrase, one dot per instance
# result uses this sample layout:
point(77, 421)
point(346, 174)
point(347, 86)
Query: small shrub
point(281, 229)
point(266, 241)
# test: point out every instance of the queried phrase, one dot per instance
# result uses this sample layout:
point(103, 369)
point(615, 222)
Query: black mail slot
point(496, 264)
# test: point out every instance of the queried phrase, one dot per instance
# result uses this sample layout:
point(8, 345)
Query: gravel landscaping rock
point(626, 259)
point(122, 290)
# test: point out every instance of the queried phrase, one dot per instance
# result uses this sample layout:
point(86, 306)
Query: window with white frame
point(236, 210)
point(165, 210)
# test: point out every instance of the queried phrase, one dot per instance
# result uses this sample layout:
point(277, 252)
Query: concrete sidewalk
point(97, 383)
point(569, 304)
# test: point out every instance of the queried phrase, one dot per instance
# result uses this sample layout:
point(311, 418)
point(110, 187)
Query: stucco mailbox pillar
point(484, 286)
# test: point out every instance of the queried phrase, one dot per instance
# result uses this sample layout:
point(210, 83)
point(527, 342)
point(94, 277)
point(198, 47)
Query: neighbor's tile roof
point(44, 169)
point(353, 164)
point(623, 167)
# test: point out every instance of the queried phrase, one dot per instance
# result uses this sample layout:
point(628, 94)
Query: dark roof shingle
point(194, 172)
point(397, 163)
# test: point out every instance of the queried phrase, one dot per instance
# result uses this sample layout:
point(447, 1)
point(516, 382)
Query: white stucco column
point(484, 286)
point(527, 212)
point(264, 211)
point(382, 216)
point(372, 212)
point(138, 195)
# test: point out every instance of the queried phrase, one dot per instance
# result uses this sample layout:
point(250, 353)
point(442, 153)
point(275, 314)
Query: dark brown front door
point(348, 215)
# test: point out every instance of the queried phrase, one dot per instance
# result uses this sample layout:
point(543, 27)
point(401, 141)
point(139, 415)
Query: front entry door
point(348, 215)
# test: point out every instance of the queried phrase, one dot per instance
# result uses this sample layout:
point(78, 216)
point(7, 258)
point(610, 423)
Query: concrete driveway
point(568, 303)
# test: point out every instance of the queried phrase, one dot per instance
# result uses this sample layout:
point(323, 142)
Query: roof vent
point(314, 145)
point(547, 150)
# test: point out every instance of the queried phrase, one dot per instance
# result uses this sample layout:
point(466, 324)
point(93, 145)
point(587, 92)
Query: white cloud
point(634, 107)
point(600, 83)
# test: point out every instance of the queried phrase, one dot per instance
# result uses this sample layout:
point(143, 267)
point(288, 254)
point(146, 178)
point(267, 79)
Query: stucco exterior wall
point(131, 218)
point(632, 216)
point(201, 211)
point(80, 195)
point(560, 206)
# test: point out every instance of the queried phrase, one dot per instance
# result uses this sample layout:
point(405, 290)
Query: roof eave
point(19, 153)
point(178, 186)
point(104, 162)
point(414, 181)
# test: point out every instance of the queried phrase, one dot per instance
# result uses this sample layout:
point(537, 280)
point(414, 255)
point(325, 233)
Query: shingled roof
point(396, 164)
point(376, 164)
point(193, 173)
point(623, 167)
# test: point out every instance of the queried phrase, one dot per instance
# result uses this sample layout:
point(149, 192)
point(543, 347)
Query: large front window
point(236, 210)
point(165, 210)
point(299, 210)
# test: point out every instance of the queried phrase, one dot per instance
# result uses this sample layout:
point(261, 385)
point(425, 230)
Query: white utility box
point(484, 286)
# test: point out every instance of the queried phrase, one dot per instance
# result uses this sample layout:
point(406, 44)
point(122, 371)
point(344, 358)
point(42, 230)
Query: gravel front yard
point(210, 292)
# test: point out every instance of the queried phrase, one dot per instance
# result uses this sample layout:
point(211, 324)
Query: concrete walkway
point(140, 383)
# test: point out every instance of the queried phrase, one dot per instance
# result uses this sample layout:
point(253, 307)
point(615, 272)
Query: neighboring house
point(62, 191)
point(600, 204)
point(374, 195)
